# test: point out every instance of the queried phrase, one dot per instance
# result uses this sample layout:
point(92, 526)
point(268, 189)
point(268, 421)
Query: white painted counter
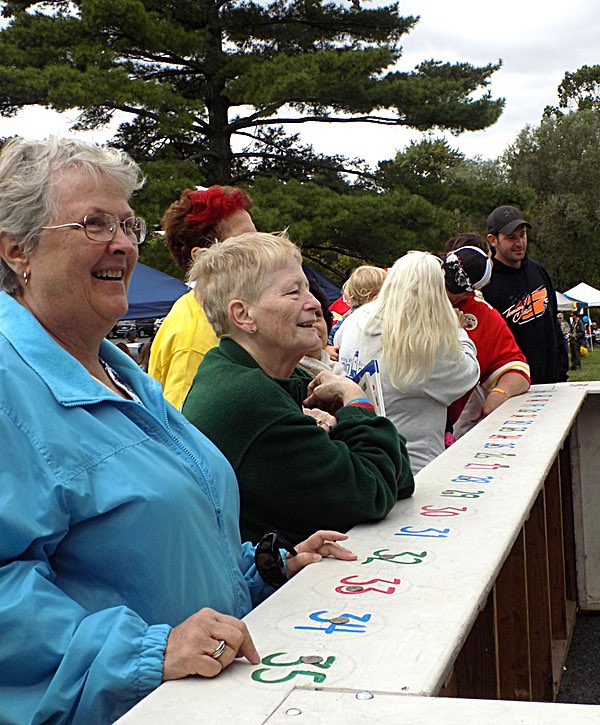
point(477, 539)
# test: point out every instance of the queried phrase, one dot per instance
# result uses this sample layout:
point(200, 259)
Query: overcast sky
point(537, 40)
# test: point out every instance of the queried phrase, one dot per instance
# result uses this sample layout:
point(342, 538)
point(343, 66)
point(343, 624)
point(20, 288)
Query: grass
point(590, 367)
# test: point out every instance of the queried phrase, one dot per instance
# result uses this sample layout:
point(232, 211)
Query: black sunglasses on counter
point(267, 558)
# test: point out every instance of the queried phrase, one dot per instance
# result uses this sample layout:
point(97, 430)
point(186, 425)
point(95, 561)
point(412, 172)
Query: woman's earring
point(253, 329)
point(26, 277)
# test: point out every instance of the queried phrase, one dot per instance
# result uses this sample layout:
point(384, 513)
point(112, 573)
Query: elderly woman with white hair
point(337, 463)
point(426, 359)
point(121, 564)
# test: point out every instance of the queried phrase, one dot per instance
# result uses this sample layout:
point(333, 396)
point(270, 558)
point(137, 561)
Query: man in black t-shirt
point(521, 290)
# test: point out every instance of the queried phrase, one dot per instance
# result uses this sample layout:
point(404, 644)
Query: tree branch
point(136, 111)
point(309, 163)
point(382, 120)
point(250, 120)
point(306, 254)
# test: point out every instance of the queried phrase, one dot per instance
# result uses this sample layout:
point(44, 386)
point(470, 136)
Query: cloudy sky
point(537, 40)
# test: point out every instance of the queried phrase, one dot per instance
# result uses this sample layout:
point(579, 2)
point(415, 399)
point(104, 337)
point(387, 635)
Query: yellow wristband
point(501, 391)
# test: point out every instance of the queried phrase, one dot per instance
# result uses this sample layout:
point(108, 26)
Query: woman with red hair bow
point(196, 220)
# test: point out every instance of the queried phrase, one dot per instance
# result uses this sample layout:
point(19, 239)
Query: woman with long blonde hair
point(426, 359)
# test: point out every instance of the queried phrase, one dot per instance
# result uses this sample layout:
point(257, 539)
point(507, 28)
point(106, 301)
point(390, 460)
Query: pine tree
point(218, 83)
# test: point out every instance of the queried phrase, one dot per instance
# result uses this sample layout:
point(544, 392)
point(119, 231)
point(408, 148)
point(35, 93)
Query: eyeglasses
point(267, 558)
point(102, 228)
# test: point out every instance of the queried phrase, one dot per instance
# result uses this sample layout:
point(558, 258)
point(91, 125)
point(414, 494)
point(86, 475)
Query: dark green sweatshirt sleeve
point(297, 478)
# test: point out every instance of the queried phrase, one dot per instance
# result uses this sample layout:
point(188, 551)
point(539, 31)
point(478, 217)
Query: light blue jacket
point(117, 521)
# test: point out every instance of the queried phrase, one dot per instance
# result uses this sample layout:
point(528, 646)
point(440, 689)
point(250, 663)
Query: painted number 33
point(351, 586)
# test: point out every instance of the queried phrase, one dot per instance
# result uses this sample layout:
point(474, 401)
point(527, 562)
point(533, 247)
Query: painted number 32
point(443, 511)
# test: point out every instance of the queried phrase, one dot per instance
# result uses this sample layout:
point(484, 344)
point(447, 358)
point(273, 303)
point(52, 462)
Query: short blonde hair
point(236, 269)
point(363, 284)
point(417, 323)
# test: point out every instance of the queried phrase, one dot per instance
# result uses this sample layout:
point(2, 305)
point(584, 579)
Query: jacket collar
point(67, 379)
point(295, 385)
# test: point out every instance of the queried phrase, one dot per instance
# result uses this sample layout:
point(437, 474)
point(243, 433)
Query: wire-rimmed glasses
point(102, 228)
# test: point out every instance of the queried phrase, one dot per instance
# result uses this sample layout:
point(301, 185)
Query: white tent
point(563, 303)
point(585, 294)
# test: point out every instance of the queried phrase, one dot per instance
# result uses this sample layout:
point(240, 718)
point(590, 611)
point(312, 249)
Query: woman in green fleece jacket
point(307, 453)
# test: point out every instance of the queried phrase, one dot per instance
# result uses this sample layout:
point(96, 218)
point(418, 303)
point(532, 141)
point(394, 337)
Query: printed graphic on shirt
point(528, 308)
point(470, 321)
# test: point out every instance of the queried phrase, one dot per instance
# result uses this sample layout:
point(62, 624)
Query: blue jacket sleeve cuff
point(151, 658)
point(259, 589)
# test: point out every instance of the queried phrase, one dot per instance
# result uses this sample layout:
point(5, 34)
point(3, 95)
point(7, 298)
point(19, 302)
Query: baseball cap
point(466, 269)
point(505, 219)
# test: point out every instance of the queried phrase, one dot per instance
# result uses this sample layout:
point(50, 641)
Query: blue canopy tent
point(152, 293)
point(332, 291)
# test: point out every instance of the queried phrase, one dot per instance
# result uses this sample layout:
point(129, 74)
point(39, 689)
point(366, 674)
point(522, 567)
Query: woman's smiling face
point(78, 287)
point(285, 314)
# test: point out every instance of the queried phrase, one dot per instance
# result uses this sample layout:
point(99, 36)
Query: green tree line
point(214, 91)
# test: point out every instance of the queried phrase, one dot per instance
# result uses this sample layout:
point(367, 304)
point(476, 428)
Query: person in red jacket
point(504, 367)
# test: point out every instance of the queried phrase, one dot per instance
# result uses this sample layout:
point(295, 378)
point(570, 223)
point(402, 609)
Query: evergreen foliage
point(216, 83)
point(560, 161)
point(580, 90)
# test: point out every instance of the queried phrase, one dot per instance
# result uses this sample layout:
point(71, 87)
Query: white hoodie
point(418, 412)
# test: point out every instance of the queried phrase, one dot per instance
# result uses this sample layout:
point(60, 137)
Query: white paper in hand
point(369, 380)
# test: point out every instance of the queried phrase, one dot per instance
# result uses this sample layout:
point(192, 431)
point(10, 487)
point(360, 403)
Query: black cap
point(505, 219)
point(466, 269)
